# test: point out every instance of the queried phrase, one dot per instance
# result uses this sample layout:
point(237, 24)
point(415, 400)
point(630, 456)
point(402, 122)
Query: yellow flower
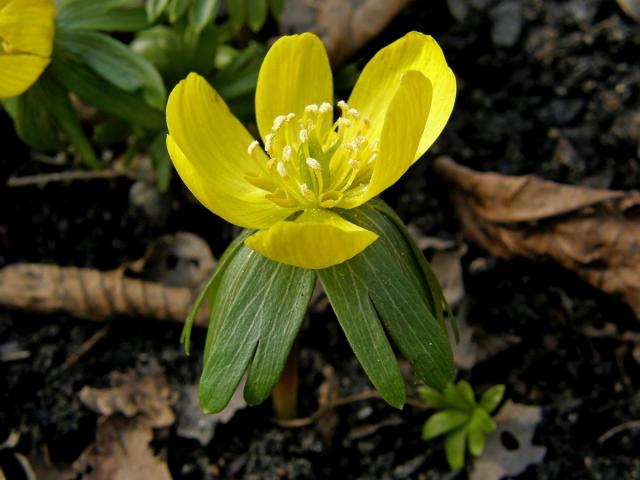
point(26, 41)
point(310, 164)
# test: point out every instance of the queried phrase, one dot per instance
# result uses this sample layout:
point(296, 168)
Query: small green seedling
point(462, 420)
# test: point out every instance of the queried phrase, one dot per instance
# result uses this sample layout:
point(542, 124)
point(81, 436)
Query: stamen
point(252, 147)
point(267, 141)
point(286, 154)
point(304, 188)
point(313, 163)
point(277, 123)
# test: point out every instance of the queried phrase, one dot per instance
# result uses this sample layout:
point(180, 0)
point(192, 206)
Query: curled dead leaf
point(593, 232)
point(133, 395)
point(161, 285)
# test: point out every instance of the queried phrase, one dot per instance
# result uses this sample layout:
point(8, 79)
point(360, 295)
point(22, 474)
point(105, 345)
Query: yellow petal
point(208, 147)
point(27, 25)
point(295, 73)
point(317, 239)
point(19, 72)
point(379, 79)
point(402, 128)
point(26, 41)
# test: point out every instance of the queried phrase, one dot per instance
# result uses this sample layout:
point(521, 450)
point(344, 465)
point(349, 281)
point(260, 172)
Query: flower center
point(314, 161)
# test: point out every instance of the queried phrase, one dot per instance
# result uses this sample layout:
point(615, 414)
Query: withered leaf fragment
point(593, 232)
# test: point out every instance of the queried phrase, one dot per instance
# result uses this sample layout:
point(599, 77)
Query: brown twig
point(318, 414)
point(85, 347)
point(67, 176)
point(630, 425)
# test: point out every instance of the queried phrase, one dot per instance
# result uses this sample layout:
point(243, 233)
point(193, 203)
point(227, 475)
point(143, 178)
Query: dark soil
point(551, 88)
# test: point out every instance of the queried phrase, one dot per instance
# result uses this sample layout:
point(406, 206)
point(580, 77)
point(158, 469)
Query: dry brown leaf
point(130, 410)
point(177, 264)
point(193, 423)
point(593, 232)
point(131, 395)
point(179, 260)
point(122, 452)
point(519, 423)
point(476, 346)
point(631, 8)
point(343, 25)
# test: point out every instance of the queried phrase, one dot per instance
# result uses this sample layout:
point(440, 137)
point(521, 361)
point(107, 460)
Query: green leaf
point(210, 287)
point(276, 7)
point(96, 91)
point(177, 8)
point(116, 63)
point(166, 48)
point(237, 10)
point(41, 111)
point(399, 290)
point(467, 392)
point(107, 15)
point(443, 422)
point(202, 13)
point(256, 308)
point(481, 421)
point(350, 300)
point(431, 396)
point(476, 443)
point(492, 398)
point(455, 399)
point(256, 14)
point(454, 447)
point(434, 291)
point(155, 8)
point(161, 161)
point(240, 76)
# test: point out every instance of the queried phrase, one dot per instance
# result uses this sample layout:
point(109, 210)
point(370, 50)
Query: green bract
point(385, 295)
point(462, 420)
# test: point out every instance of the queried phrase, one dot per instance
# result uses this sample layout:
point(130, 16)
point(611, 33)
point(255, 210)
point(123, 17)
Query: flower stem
point(285, 394)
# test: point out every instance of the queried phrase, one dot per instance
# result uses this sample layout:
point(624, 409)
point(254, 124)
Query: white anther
point(313, 163)
point(372, 159)
point(304, 188)
point(350, 147)
point(313, 108)
point(286, 153)
point(277, 122)
point(342, 104)
point(290, 117)
point(354, 112)
point(304, 135)
point(267, 141)
point(252, 147)
point(353, 163)
point(325, 107)
point(282, 170)
point(345, 122)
